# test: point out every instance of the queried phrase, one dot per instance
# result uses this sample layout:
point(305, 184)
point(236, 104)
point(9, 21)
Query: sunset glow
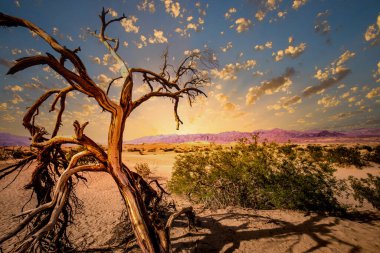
point(297, 64)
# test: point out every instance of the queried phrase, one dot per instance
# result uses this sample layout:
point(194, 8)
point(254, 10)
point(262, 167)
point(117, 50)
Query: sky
point(296, 65)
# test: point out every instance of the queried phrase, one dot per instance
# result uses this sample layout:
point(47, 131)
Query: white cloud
point(146, 5)
point(113, 12)
point(230, 11)
point(129, 24)
point(267, 44)
point(17, 99)
point(242, 24)
point(373, 32)
point(227, 47)
point(375, 92)
point(173, 8)
point(14, 88)
point(158, 37)
point(229, 71)
point(298, 3)
point(16, 51)
point(328, 101)
point(336, 67)
point(292, 51)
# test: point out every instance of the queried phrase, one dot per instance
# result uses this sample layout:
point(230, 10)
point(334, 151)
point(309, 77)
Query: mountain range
point(277, 135)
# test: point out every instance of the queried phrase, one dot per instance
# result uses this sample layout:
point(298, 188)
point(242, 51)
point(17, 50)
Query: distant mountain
point(7, 139)
point(277, 135)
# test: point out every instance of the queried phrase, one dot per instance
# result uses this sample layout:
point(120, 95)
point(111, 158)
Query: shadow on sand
point(223, 238)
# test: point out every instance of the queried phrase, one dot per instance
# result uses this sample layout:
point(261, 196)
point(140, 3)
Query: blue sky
point(300, 64)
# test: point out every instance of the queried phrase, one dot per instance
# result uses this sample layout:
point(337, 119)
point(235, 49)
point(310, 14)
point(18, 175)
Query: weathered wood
point(152, 234)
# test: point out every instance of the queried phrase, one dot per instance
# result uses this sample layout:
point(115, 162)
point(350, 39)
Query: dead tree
point(52, 180)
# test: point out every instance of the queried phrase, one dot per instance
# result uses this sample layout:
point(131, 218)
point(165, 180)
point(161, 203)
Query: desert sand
point(223, 230)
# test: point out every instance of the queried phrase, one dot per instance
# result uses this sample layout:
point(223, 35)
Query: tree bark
point(141, 223)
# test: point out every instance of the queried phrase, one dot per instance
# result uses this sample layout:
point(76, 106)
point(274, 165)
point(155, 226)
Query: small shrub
point(374, 155)
point(82, 161)
point(346, 156)
point(367, 189)
point(315, 152)
point(143, 169)
point(168, 149)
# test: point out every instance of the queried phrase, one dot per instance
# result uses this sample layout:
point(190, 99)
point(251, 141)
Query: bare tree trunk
point(141, 223)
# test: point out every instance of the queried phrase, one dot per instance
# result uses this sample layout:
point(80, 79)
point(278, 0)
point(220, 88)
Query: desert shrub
point(367, 189)
point(345, 156)
point(261, 176)
point(168, 149)
point(373, 155)
point(143, 169)
point(82, 161)
point(366, 147)
point(4, 154)
point(315, 152)
point(152, 150)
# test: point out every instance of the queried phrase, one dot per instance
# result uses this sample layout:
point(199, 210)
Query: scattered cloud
point(173, 8)
point(319, 88)
point(16, 51)
point(375, 92)
point(229, 71)
point(229, 13)
point(129, 24)
point(267, 44)
point(14, 88)
point(274, 85)
point(331, 75)
point(291, 51)
point(376, 73)
point(372, 33)
point(227, 47)
point(17, 99)
point(298, 3)
point(158, 37)
point(242, 24)
point(112, 12)
point(343, 115)
point(260, 15)
point(285, 103)
point(321, 25)
point(329, 101)
point(146, 5)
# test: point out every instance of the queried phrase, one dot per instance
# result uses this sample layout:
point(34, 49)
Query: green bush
point(262, 176)
point(367, 189)
point(345, 156)
point(82, 161)
point(373, 155)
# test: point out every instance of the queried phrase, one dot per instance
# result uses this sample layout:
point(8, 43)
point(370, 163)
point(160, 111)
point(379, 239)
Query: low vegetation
point(272, 176)
point(367, 189)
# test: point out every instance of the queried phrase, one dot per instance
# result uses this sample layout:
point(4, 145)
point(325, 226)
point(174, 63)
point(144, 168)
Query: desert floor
point(223, 230)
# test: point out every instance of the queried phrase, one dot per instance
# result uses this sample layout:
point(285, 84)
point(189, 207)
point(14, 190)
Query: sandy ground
point(223, 230)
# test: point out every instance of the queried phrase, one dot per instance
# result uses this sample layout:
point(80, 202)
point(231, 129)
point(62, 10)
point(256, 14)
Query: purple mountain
point(277, 135)
point(7, 139)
